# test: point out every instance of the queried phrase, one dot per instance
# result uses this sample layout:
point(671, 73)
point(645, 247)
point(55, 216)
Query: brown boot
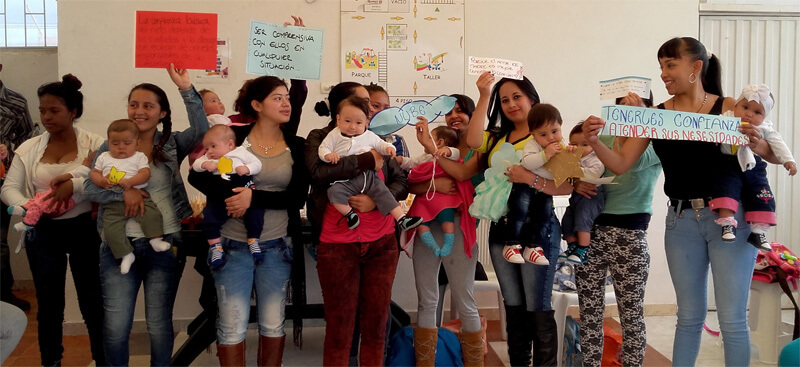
point(231, 355)
point(270, 350)
point(472, 348)
point(425, 345)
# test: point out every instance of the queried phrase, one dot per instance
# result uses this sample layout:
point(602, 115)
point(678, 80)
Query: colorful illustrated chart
point(413, 48)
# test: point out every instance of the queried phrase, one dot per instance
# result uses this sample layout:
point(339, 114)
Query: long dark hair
point(166, 121)
point(710, 74)
point(256, 90)
point(338, 93)
point(68, 89)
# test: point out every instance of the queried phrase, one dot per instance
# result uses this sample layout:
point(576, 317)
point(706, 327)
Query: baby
point(40, 204)
point(752, 106)
point(124, 166)
point(237, 165)
point(576, 225)
point(215, 113)
point(350, 136)
point(445, 139)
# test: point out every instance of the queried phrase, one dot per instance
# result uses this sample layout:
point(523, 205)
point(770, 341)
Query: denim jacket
point(180, 143)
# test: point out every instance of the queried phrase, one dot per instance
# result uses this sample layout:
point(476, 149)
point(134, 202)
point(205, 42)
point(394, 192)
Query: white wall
point(567, 46)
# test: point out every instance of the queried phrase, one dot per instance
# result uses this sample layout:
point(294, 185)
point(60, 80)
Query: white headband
point(758, 93)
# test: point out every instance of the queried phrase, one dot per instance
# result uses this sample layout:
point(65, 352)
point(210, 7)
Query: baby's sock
point(16, 210)
point(255, 249)
point(127, 261)
point(448, 244)
point(159, 245)
point(727, 221)
point(21, 227)
point(760, 228)
point(217, 256)
point(429, 241)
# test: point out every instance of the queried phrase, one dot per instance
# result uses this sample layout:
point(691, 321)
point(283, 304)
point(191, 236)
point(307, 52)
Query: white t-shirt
point(345, 146)
point(128, 166)
point(239, 157)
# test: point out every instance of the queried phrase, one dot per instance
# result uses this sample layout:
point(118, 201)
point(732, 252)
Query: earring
point(692, 76)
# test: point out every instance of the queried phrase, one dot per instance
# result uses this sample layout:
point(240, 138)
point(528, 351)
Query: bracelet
point(544, 183)
point(535, 180)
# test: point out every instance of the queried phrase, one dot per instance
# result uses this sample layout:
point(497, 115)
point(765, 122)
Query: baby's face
point(217, 146)
point(580, 141)
point(122, 144)
point(351, 121)
point(750, 111)
point(212, 105)
point(547, 134)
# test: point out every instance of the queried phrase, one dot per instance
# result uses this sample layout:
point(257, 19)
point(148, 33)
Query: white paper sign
point(619, 87)
point(499, 67)
point(598, 180)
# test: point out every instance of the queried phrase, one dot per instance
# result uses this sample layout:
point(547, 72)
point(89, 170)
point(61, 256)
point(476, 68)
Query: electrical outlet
point(325, 88)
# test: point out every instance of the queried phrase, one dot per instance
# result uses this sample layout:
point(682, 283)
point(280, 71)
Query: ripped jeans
point(235, 282)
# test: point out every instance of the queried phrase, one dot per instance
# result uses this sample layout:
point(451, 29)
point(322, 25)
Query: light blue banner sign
point(393, 119)
point(640, 122)
point(286, 52)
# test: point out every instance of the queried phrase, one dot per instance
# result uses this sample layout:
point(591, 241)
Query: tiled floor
point(660, 331)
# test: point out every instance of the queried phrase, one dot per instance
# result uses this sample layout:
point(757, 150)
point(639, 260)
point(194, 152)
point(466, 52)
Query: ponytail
point(712, 77)
point(710, 74)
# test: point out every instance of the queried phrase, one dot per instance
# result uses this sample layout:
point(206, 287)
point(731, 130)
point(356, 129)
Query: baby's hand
point(89, 158)
point(443, 152)
point(332, 157)
point(208, 166)
point(108, 184)
point(392, 151)
point(791, 167)
point(125, 183)
point(60, 179)
point(399, 159)
point(242, 171)
point(551, 149)
point(3, 151)
point(571, 148)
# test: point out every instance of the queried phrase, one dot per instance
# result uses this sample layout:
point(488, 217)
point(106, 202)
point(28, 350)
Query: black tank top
point(691, 168)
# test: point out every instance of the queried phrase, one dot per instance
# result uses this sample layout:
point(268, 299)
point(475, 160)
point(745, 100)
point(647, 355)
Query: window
point(29, 23)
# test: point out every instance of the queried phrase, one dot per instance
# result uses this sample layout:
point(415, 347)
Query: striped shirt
point(16, 125)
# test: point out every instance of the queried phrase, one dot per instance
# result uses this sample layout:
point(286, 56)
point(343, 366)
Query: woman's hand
point(362, 203)
point(632, 99)
point(423, 135)
point(585, 189)
point(518, 174)
point(89, 158)
point(378, 159)
point(134, 202)
point(484, 83)
point(239, 203)
point(445, 185)
point(592, 127)
point(298, 22)
point(59, 197)
point(180, 77)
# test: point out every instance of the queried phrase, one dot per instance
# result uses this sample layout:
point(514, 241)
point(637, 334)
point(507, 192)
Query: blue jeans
point(235, 281)
point(526, 284)
point(692, 242)
point(160, 272)
point(528, 211)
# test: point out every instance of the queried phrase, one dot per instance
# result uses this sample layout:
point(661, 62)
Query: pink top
point(372, 228)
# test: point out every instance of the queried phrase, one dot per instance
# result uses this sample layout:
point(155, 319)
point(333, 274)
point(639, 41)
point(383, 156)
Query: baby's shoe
point(352, 219)
point(511, 253)
point(570, 248)
point(405, 222)
point(535, 255)
point(728, 225)
point(579, 255)
point(759, 240)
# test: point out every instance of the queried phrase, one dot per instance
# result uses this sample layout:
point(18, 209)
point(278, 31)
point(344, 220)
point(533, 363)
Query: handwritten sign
point(619, 87)
point(499, 67)
point(285, 52)
point(189, 40)
point(640, 122)
point(392, 119)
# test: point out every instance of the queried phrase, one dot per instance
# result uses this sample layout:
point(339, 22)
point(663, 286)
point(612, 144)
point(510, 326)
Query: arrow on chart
point(358, 17)
point(415, 9)
point(430, 18)
point(453, 19)
point(382, 33)
point(396, 18)
point(415, 88)
point(415, 36)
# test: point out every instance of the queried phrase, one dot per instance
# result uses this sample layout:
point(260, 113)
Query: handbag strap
point(785, 286)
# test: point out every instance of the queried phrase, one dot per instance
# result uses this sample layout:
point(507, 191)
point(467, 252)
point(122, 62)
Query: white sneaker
point(512, 255)
point(535, 255)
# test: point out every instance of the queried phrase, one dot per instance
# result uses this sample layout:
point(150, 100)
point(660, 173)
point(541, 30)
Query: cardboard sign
point(499, 67)
point(286, 52)
point(189, 40)
point(640, 122)
point(619, 87)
